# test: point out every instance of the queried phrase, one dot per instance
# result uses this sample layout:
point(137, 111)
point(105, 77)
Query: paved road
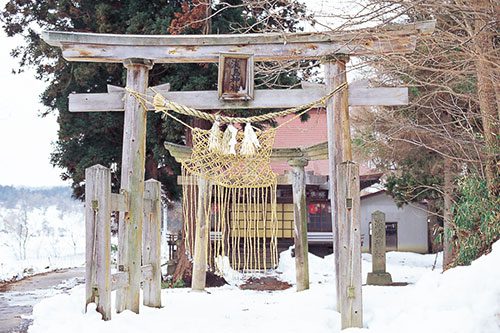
point(18, 298)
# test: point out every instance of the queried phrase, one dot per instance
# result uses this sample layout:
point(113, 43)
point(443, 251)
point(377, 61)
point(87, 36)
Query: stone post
point(378, 276)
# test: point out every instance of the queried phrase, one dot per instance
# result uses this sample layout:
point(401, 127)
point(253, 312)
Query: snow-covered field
point(34, 240)
point(462, 300)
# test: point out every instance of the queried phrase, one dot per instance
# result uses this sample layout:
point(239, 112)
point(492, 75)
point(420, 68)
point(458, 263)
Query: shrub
point(476, 218)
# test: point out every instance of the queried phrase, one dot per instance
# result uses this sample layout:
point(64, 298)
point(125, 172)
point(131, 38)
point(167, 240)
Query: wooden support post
point(198, 279)
point(132, 181)
point(335, 75)
point(151, 244)
point(98, 238)
point(300, 219)
point(348, 201)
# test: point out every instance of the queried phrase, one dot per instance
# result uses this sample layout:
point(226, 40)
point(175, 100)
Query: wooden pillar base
point(349, 273)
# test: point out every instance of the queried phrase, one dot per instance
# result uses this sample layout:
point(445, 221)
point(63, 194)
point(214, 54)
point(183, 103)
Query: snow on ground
point(36, 240)
point(461, 300)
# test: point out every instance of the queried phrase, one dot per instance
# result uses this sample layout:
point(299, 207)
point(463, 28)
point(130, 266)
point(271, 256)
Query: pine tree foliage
point(85, 139)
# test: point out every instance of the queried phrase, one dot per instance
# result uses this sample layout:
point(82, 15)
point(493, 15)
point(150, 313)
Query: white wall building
point(406, 227)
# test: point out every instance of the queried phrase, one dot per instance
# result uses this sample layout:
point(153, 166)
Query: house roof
point(300, 134)
point(372, 194)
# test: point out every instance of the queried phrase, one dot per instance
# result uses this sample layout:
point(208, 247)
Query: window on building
point(319, 217)
point(391, 236)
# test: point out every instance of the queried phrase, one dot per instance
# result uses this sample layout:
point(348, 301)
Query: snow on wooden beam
point(264, 99)
point(93, 47)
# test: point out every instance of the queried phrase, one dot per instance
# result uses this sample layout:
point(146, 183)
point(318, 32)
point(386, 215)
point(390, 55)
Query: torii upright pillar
point(132, 182)
point(346, 222)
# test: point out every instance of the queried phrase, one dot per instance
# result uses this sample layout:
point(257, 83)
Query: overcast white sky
point(25, 138)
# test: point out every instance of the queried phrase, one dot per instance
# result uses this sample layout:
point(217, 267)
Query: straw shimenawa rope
point(239, 210)
point(161, 104)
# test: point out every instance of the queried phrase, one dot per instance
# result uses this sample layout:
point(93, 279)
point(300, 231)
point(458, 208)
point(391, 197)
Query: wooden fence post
point(348, 201)
point(98, 238)
point(300, 219)
point(198, 279)
point(151, 243)
point(132, 182)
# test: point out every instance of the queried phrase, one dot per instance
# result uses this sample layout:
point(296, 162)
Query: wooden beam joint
point(132, 62)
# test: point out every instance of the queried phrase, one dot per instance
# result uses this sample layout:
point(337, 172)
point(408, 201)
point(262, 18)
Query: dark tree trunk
point(448, 215)
point(151, 166)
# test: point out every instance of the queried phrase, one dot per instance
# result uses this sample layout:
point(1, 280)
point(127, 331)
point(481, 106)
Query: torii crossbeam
point(140, 53)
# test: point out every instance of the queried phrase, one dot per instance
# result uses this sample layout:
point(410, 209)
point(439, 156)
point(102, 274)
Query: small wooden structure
point(99, 203)
point(139, 53)
point(236, 77)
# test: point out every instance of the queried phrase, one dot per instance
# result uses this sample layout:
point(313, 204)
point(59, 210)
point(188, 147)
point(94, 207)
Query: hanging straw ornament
point(214, 140)
point(229, 140)
point(250, 142)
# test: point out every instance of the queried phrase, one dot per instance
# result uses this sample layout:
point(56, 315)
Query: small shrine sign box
point(236, 76)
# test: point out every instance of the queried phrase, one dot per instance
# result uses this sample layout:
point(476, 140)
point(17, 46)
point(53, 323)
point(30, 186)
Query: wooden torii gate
point(138, 53)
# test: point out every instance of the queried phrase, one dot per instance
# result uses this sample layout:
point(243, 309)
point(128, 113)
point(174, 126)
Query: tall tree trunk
point(483, 38)
point(448, 216)
point(434, 245)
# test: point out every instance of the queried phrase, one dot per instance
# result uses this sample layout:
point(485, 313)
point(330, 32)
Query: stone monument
point(378, 276)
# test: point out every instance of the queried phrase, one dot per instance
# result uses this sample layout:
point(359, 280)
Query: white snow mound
point(461, 300)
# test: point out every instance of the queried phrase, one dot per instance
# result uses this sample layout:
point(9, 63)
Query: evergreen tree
point(86, 139)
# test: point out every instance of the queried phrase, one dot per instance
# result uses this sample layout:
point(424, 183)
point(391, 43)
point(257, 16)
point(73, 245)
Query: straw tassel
point(159, 101)
point(229, 140)
point(214, 140)
point(250, 142)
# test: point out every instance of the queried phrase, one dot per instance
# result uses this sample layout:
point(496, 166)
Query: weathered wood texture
point(119, 280)
point(349, 229)
point(98, 238)
point(132, 181)
point(151, 243)
point(119, 202)
point(335, 75)
point(59, 38)
point(206, 48)
point(312, 153)
point(300, 223)
point(264, 99)
point(198, 280)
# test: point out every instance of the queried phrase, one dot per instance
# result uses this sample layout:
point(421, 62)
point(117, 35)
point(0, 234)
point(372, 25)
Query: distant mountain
point(59, 196)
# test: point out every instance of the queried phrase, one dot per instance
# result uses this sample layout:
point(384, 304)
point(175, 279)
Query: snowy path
point(18, 298)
